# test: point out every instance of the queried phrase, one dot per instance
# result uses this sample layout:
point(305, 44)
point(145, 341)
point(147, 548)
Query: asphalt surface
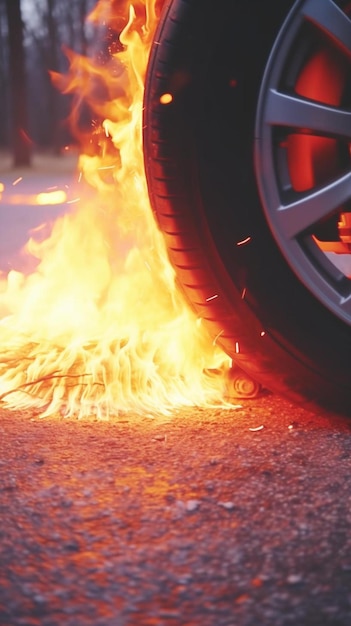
point(20, 215)
point(206, 517)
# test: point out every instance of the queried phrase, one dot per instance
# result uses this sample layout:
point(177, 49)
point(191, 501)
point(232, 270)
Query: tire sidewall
point(209, 131)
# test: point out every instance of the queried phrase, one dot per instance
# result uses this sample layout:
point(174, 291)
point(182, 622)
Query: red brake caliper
point(312, 160)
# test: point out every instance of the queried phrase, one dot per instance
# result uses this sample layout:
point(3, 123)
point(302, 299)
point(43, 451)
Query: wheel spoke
point(295, 217)
point(296, 112)
point(331, 20)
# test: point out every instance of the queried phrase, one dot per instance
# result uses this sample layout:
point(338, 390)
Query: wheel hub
point(302, 153)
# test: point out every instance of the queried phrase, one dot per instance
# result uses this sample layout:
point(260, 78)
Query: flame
point(51, 197)
point(44, 198)
point(100, 327)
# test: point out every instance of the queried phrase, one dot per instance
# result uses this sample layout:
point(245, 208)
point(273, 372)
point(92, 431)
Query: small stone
point(185, 579)
point(227, 505)
point(209, 486)
point(159, 438)
point(71, 546)
point(170, 498)
point(39, 599)
point(294, 579)
point(66, 503)
point(192, 505)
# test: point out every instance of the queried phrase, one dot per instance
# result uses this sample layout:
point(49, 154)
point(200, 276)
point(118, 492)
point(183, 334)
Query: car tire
point(213, 156)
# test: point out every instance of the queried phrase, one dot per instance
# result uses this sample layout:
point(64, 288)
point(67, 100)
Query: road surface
point(211, 517)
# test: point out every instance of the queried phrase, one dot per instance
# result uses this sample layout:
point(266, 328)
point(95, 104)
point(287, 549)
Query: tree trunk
point(53, 65)
point(83, 10)
point(20, 140)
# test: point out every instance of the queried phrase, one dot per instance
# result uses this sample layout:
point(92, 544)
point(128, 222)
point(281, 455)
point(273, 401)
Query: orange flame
point(100, 327)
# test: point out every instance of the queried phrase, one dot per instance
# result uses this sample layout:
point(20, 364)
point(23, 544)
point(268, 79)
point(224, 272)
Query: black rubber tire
point(200, 171)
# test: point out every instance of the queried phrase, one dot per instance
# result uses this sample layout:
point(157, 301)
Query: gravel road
point(233, 518)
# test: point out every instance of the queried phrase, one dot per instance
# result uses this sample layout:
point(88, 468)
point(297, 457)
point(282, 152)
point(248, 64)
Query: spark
point(244, 241)
point(263, 332)
point(212, 298)
point(243, 293)
point(18, 180)
point(217, 337)
point(237, 348)
point(255, 430)
point(166, 98)
point(73, 201)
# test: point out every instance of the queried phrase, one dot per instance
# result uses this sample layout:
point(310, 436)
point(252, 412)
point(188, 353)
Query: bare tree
point(29, 52)
point(57, 25)
point(4, 106)
point(18, 91)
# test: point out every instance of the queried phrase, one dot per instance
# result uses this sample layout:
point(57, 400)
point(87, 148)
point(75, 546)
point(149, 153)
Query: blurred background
point(34, 38)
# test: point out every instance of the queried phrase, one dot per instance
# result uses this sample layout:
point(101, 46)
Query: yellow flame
point(100, 327)
point(52, 197)
point(44, 198)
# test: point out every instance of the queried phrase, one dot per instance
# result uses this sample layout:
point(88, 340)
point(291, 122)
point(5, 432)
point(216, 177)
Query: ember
point(101, 327)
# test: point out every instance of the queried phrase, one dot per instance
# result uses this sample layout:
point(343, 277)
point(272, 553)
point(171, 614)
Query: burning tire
point(247, 154)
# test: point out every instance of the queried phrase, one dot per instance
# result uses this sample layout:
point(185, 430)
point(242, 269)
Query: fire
point(100, 327)
point(44, 198)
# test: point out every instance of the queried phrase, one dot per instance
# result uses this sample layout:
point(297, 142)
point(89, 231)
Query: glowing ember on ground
point(100, 327)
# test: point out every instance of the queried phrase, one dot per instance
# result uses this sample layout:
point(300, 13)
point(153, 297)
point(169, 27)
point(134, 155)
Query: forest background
point(34, 38)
